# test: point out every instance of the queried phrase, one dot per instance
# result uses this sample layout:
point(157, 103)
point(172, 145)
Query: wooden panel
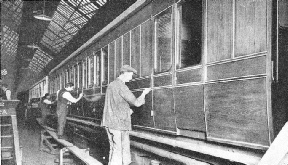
point(163, 105)
point(118, 56)
point(137, 84)
point(194, 75)
point(126, 49)
point(144, 83)
point(252, 66)
point(93, 109)
point(237, 111)
point(135, 49)
point(92, 91)
point(104, 89)
point(189, 107)
point(135, 19)
point(160, 5)
point(219, 30)
point(76, 109)
point(132, 85)
point(146, 47)
point(163, 80)
point(250, 35)
point(111, 61)
point(142, 115)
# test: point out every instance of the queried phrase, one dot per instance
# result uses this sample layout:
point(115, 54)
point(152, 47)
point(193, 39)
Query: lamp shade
point(43, 17)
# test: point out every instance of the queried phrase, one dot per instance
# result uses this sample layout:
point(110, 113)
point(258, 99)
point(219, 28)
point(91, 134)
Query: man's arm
point(8, 94)
point(70, 98)
point(47, 101)
point(129, 96)
point(57, 95)
point(141, 99)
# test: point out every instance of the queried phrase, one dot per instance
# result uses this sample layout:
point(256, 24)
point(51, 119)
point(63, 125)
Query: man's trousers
point(61, 114)
point(119, 147)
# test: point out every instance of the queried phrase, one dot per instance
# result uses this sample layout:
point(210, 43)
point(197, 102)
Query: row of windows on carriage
point(149, 46)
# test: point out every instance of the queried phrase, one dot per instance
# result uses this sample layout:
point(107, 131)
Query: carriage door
point(189, 74)
point(163, 102)
point(280, 67)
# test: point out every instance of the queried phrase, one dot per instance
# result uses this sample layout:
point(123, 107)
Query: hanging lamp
point(43, 16)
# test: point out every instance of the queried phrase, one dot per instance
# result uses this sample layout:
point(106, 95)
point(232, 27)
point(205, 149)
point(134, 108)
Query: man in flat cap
point(117, 115)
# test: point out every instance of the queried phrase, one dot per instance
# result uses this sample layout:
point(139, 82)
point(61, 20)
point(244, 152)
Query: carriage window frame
point(135, 59)
point(156, 23)
point(71, 75)
point(84, 73)
point(75, 76)
point(111, 60)
point(97, 65)
point(91, 70)
point(104, 62)
point(178, 39)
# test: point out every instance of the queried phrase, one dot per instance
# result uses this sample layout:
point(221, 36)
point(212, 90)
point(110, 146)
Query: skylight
point(9, 41)
point(11, 13)
point(39, 60)
point(69, 18)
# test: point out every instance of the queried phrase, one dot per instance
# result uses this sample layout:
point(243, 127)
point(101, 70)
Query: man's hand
point(146, 91)
point(81, 95)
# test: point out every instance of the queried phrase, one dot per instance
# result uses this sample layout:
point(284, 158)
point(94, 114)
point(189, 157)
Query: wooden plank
point(219, 30)
point(236, 112)
point(163, 80)
point(16, 141)
point(135, 49)
point(142, 115)
point(187, 76)
point(80, 153)
point(278, 149)
point(119, 57)
point(251, 27)
point(163, 106)
point(126, 49)
point(189, 107)
point(240, 68)
point(111, 57)
point(213, 149)
point(146, 48)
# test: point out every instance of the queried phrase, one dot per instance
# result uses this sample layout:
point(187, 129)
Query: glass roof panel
point(9, 41)
point(11, 14)
point(39, 60)
point(69, 18)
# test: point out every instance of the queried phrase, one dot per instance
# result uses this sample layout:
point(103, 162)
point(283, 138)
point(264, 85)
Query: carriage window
point(119, 58)
point(190, 32)
point(98, 67)
point(126, 49)
point(135, 49)
point(163, 25)
point(71, 75)
point(75, 76)
point(80, 65)
point(85, 73)
point(91, 70)
point(105, 65)
point(111, 61)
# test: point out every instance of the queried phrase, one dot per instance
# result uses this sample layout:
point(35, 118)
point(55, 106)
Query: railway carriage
point(217, 69)
point(36, 92)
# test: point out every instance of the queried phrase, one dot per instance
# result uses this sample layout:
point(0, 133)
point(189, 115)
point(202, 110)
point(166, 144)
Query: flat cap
point(127, 68)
